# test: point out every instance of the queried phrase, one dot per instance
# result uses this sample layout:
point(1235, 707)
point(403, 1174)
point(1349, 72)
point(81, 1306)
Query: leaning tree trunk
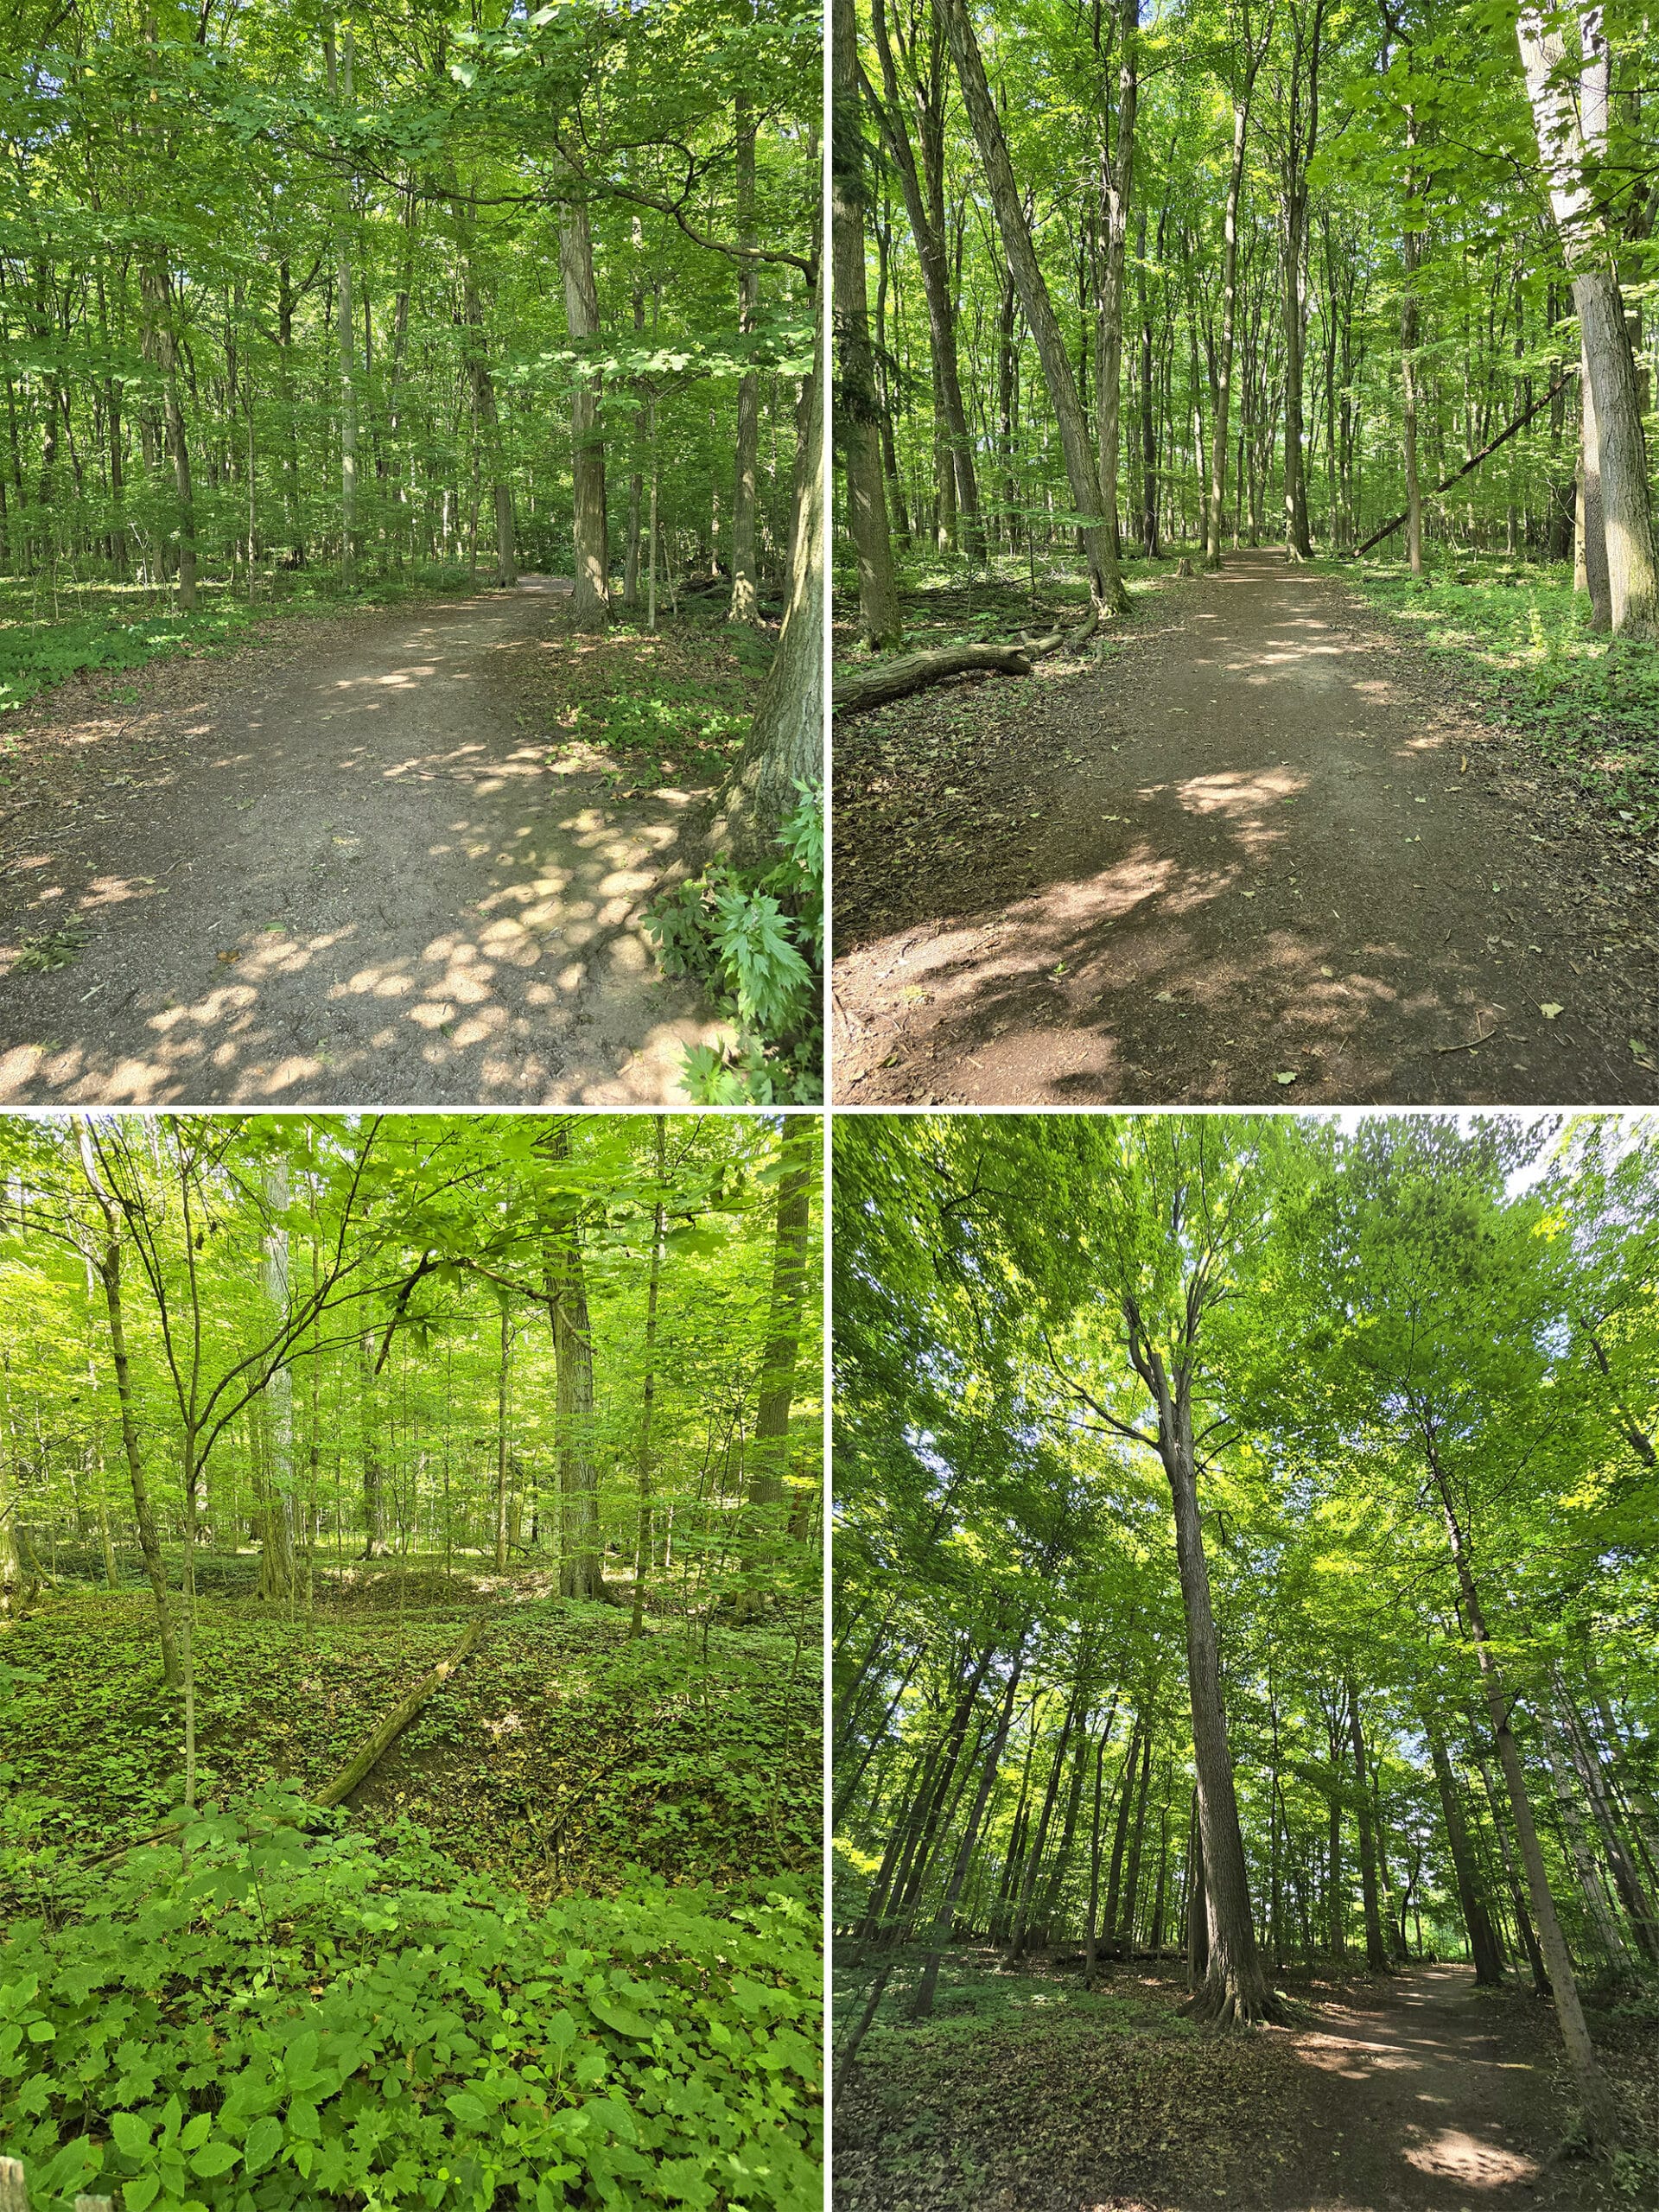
point(858, 411)
point(590, 603)
point(1599, 2110)
point(922, 2003)
point(1105, 583)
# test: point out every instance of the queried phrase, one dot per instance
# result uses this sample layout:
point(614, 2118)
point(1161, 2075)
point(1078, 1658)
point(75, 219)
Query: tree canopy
point(1246, 1550)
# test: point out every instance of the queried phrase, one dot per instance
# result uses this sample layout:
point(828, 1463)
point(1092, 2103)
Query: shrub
point(258, 2018)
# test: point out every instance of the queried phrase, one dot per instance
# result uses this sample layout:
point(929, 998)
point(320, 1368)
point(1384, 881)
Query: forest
point(410, 1551)
point(326, 327)
point(1244, 1679)
point(1245, 272)
point(1227, 389)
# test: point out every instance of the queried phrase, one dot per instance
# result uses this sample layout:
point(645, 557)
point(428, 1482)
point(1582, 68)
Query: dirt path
point(336, 872)
point(1431, 2099)
point(1267, 838)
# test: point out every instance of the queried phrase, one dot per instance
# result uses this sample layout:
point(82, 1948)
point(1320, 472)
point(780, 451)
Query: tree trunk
point(1105, 583)
point(858, 413)
point(1376, 1950)
point(1236, 1990)
point(1571, 98)
point(590, 603)
point(580, 1561)
point(1599, 2112)
point(785, 746)
point(945, 1920)
point(1483, 1947)
point(745, 605)
point(108, 1263)
point(648, 1388)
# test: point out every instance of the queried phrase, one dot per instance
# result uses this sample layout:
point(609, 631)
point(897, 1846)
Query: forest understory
point(562, 1932)
point(410, 850)
point(1260, 844)
point(1410, 2092)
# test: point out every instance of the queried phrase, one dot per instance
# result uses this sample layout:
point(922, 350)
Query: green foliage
point(756, 941)
point(1591, 707)
point(386, 2029)
point(35, 655)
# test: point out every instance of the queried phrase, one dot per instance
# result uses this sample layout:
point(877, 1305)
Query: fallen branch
point(1446, 484)
point(861, 688)
point(359, 1765)
point(370, 1754)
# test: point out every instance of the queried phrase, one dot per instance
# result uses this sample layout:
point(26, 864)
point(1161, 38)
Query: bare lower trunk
point(858, 413)
point(784, 745)
point(590, 601)
point(1105, 583)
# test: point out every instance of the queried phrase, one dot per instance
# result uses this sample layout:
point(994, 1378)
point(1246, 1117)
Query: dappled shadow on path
point(356, 880)
point(1241, 862)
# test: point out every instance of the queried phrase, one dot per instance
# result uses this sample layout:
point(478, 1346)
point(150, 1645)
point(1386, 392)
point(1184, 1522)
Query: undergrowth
point(1591, 706)
point(49, 633)
point(755, 942)
point(272, 2012)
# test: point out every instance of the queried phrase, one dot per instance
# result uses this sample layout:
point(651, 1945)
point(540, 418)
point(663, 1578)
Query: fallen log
point(862, 688)
point(362, 1762)
point(370, 1753)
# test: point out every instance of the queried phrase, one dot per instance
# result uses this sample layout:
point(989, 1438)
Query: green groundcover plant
point(267, 2010)
point(756, 943)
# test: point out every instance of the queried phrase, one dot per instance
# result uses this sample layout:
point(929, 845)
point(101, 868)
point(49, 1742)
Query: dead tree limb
point(859, 688)
point(1485, 454)
point(374, 1748)
point(362, 1762)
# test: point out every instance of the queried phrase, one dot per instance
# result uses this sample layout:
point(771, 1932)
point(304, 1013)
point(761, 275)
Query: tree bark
point(1105, 583)
point(590, 601)
point(858, 411)
point(785, 747)
point(1483, 1946)
point(1599, 2109)
point(1376, 1950)
point(1571, 98)
point(745, 601)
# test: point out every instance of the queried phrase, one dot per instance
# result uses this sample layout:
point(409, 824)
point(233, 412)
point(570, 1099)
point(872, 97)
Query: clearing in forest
point(1262, 849)
point(400, 855)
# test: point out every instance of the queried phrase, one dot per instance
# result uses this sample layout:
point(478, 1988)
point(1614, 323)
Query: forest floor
point(1260, 848)
point(401, 853)
point(1413, 2094)
point(560, 1946)
point(558, 1756)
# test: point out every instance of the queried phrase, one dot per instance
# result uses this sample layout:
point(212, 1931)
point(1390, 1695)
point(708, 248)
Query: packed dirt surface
point(1265, 851)
point(1413, 2094)
point(1431, 2096)
point(336, 869)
